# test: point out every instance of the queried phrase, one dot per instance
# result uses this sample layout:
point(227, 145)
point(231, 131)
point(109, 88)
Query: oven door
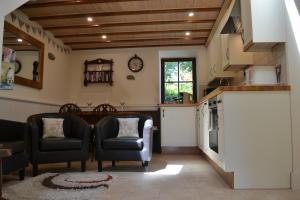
point(213, 131)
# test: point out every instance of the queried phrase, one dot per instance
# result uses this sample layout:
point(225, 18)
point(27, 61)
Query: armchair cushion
point(123, 143)
point(128, 127)
point(15, 146)
point(58, 144)
point(53, 127)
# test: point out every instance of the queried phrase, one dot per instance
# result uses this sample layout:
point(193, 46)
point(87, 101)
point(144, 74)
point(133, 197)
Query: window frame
point(178, 60)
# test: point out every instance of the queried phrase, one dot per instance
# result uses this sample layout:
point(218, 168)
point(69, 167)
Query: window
point(178, 75)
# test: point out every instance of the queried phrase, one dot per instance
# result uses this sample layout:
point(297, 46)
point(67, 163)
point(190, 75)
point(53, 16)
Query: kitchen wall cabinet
point(233, 56)
point(263, 24)
point(215, 70)
point(178, 126)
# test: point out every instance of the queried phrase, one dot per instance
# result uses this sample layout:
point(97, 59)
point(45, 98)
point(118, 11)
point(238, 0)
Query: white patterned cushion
point(53, 127)
point(128, 127)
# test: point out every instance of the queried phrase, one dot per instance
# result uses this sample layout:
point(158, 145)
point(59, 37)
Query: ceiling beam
point(71, 3)
point(129, 24)
point(130, 33)
point(136, 40)
point(223, 10)
point(120, 13)
point(136, 46)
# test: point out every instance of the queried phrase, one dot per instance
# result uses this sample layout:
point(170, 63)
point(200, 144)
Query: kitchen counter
point(178, 105)
point(221, 89)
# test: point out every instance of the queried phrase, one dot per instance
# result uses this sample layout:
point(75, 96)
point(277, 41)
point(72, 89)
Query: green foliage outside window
point(178, 78)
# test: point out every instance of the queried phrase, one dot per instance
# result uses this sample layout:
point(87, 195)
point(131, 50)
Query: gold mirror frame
point(24, 81)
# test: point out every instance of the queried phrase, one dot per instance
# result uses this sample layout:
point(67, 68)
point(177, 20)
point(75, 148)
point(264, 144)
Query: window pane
point(186, 71)
point(186, 87)
point(171, 71)
point(171, 92)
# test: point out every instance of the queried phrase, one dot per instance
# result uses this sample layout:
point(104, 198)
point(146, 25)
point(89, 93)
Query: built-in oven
point(213, 124)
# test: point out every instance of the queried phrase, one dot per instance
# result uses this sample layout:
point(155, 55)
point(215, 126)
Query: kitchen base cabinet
point(254, 138)
point(178, 126)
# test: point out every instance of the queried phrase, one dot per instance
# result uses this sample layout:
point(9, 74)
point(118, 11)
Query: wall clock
point(18, 66)
point(135, 64)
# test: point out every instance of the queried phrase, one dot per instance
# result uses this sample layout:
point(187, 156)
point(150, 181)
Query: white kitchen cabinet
point(263, 24)
point(203, 123)
point(233, 56)
point(215, 70)
point(254, 138)
point(178, 126)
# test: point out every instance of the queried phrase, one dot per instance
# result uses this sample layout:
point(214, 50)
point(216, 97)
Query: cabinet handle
point(163, 113)
point(219, 101)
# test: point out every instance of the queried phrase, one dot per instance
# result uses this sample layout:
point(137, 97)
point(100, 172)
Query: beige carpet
point(171, 177)
point(60, 186)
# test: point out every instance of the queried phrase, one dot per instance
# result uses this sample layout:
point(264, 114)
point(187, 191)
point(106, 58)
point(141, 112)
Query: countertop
point(178, 105)
point(221, 89)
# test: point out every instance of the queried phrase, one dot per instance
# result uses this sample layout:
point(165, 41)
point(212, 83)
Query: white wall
point(17, 110)
point(144, 91)
point(56, 82)
point(7, 6)
point(27, 58)
point(293, 61)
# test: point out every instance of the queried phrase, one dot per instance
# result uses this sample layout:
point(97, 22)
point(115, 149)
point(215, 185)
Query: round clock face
point(18, 66)
point(135, 64)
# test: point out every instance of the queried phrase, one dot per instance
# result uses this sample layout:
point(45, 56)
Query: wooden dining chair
point(103, 108)
point(69, 108)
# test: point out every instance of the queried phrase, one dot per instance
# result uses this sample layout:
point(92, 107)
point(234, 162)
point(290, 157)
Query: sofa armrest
point(12, 131)
point(103, 129)
point(34, 137)
point(80, 128)
point(148, 134)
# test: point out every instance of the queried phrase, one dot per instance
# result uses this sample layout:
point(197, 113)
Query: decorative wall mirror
point(29, 56)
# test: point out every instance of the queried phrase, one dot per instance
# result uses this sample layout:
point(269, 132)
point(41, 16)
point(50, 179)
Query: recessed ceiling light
point(187, 33)
point(89, 19)
point(20, 40)
point(191, 14)
point(104, 36)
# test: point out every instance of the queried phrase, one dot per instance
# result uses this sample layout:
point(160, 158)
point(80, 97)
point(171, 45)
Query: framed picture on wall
point(7, 69)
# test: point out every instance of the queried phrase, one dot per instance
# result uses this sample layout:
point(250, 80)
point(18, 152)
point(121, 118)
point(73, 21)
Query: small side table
point(3, 153)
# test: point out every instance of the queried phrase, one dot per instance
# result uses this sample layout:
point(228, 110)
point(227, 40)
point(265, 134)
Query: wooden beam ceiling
point(136, 40)
point(128, 23)
point(137, 23)
point(121, 13)
point(71, 3)
point(130, 33)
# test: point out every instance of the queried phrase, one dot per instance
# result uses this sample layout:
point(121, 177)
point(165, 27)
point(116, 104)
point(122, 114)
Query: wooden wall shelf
point(98, 71)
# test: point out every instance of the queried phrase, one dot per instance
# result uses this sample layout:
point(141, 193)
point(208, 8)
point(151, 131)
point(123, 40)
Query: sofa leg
point(145, 163)
point(22, 174)
point(99, 166)
point(35, 169)
point(69, 164)
point(83, 165)
point(113, 163)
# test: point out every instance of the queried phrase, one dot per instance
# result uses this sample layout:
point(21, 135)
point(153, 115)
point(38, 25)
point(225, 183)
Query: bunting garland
point(27, 27)
point(43, 34)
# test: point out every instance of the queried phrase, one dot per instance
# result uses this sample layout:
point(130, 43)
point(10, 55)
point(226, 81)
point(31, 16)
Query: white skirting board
point(296, 180)
point(20, 110)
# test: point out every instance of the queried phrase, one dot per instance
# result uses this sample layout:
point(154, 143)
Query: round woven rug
point(60, 186)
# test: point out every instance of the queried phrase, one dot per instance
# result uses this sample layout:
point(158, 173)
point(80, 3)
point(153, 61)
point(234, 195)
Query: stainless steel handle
point(210, 121)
